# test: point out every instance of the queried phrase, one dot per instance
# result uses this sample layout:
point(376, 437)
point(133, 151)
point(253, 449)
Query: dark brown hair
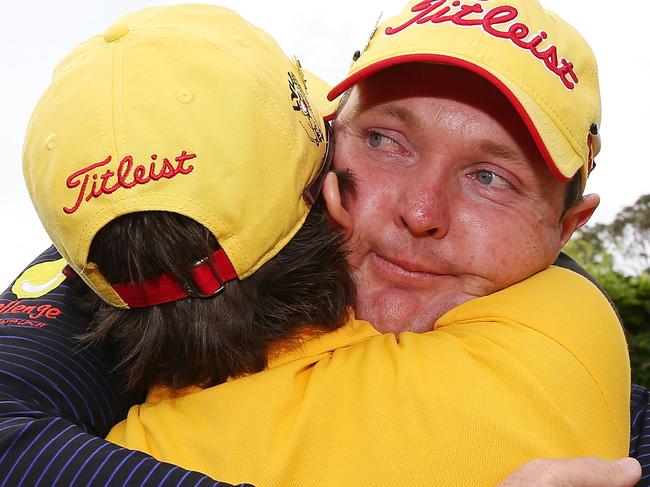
point(205, 341)
point(573, 193)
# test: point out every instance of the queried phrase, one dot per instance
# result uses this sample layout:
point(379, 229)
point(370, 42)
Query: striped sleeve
point(640, 432)
point(57, 399)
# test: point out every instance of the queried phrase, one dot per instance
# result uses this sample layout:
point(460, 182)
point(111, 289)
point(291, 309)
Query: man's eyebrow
point(502, 151)
point(395, 112)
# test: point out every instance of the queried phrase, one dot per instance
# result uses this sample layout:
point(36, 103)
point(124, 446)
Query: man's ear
point(578, 215)
point(332, 197)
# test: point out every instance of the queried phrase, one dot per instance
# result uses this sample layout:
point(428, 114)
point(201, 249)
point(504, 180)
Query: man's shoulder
point(42, 296)
point(551, 295)
point(560, 305)
point(563, 279)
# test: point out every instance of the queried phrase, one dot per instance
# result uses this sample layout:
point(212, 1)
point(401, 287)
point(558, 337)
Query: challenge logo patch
point(39, 279)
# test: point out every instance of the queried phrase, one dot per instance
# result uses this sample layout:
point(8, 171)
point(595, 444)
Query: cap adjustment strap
point(207, 279)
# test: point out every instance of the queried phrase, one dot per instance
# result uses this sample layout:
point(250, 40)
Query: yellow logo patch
point(39, 279)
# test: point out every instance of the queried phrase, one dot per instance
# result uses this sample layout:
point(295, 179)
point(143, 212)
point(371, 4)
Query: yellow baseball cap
point(186, 109)
point(540, 63)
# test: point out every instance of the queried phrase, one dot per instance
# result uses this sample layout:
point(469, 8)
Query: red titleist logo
point(93, 183)
point(499, 22)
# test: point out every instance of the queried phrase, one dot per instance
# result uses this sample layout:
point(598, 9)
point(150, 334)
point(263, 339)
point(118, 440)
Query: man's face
point(453, 199)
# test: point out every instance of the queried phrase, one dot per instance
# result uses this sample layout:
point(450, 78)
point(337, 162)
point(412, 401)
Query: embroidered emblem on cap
point(301, 104)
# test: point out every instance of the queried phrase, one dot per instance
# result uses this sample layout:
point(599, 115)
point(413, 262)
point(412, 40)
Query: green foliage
point(628, 236)
point(618, 256)
point(639, 344)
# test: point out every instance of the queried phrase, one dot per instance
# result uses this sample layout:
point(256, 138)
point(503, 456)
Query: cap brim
point(560, 157)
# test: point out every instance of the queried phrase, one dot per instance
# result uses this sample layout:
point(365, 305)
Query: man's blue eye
point(485, 177)
point(375, 139)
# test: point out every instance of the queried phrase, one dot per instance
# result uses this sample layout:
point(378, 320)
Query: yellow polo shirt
point(538, 369)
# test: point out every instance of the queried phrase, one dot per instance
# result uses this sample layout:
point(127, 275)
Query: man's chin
point(394, 311)
point(398, 310)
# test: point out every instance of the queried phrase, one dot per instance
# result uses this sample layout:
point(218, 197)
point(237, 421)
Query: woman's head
point(186, 109)
point(306, 286)
point(168, 162)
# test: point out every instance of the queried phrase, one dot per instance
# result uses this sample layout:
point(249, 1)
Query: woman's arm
point(57, 399)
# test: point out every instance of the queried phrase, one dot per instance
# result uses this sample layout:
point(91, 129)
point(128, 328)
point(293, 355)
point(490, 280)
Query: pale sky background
point(35, 35)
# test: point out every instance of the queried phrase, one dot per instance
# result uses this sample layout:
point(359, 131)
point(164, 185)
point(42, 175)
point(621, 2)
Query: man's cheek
point(488, 248)
point(376, 199)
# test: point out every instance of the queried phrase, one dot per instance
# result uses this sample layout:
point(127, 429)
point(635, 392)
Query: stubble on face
point(453, 200)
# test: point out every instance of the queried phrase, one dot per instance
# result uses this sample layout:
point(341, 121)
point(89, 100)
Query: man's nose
point(425, 206)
